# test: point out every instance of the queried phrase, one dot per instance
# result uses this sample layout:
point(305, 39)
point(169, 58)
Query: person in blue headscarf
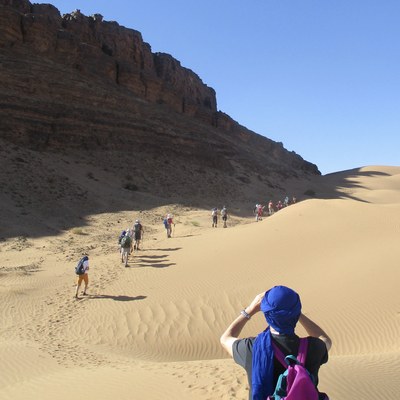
point(282, 310)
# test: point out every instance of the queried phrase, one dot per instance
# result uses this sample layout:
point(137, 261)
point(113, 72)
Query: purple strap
point(301, 355)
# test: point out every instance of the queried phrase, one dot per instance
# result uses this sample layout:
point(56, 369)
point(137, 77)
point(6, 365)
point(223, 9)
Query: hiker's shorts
point(84, 277)
point(138, 235)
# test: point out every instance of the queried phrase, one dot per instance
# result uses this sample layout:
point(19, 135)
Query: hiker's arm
point(233, 331)
point(314, 330)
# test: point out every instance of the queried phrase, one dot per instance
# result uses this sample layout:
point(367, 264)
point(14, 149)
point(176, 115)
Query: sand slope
point(151, 331)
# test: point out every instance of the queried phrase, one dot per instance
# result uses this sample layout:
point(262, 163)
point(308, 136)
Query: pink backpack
point(296, 383)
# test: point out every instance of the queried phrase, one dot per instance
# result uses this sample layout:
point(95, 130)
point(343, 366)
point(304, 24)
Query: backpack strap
point(301, 355)
point(279, 355)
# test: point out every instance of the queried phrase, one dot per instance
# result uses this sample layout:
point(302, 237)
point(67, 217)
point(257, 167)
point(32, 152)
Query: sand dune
point(151, 331)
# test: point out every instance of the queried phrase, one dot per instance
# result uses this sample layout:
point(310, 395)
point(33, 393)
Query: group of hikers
point(279, 364)
point(129, 240)
point(258, 210)
point(224, 216)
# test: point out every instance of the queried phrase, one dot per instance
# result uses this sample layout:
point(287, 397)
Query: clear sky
point(320, 76)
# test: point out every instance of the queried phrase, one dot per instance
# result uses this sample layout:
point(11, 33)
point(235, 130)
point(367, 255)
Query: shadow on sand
point(168, 249)
point(116, 298)
point(342, 185)
point(143, 263)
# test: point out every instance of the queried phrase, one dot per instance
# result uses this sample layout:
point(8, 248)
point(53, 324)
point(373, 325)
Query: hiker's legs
point(125, 253)
point(86, 280)
point(138, 236)
point(78, 284)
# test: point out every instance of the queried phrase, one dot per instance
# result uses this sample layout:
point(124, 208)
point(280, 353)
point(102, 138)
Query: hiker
point(82, 271)
point(126, 246)
point(259, 212)
point(168, 221)
point(294, 200)
point(286, 201)
point(282, 310)
point(279, 205)
point(138, 234)
point(255, 211)
point(271, 209)
point(224, 215)
point(214, 215)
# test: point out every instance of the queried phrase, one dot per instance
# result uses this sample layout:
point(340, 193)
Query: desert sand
point(151, 330)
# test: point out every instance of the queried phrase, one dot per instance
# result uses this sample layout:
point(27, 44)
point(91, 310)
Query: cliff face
point(105, 49)
point(77, 85)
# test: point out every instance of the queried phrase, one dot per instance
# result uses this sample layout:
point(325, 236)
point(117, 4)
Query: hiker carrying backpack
point(281, 307)
point(80, 268)
point(296, 383)
point(137, 227)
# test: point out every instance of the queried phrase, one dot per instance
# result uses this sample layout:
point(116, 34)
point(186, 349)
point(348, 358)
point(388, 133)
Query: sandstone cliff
point(92, 90)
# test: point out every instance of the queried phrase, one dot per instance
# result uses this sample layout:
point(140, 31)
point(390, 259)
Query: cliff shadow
point(45, 194)
point(343, 184)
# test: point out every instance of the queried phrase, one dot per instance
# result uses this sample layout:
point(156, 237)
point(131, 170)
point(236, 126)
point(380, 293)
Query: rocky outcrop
point(106, 49)
point(79, 85)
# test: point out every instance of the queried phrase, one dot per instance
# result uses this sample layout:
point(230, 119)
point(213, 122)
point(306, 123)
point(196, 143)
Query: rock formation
point(82, 87)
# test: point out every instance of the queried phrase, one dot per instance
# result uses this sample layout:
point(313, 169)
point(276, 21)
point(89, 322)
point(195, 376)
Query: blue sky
point(320, 76)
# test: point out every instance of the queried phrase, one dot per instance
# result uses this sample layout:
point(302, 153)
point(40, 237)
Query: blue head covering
point(281, 307)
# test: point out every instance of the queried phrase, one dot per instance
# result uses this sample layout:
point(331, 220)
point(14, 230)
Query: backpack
point(121, 236)
point(223, 212)
point(80, 269)
point(296, 383)
point(126, 241)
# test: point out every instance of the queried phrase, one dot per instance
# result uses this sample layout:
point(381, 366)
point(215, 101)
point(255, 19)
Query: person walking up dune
point(168, 222)
point(126, 247)
point(81, 270)
point(138, 234)
point(214, 215)
point(271, 208)
point(224, 215)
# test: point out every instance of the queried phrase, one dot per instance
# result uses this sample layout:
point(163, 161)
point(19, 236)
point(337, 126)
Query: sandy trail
point(151, 331)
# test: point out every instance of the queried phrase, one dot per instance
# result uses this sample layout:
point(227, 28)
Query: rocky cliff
point(82, 87)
